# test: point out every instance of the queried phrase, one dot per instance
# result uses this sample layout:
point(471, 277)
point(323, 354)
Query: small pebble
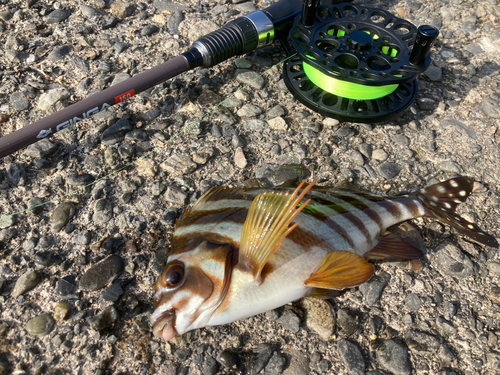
point(112, 293)
point(239, 158)
point(347, 321)
point(26, 282)
point(352, 357)
point(41, 325)
point(393, 356)
point(372, 290)
point(101, 274)
point(389, 170)
point(105, 319)
point(61, 310)
point(61, 215)
point(290, 320)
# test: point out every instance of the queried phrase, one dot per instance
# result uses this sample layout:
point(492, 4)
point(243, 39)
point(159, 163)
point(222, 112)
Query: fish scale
point(241, 252)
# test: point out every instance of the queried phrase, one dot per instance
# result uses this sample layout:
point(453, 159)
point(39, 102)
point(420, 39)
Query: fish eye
point(173, 275)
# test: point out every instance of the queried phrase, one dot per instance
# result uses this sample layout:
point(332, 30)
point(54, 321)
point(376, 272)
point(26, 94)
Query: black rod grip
point(423, 42)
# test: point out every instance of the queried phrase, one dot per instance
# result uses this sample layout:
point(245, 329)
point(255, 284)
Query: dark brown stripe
point(392, 208)
point(364, 207)
point(231, 214)
point(358, 223)
point(411, 205)
point(306, 239)
point(372, 214)
point(331, 223)
point(190, 241)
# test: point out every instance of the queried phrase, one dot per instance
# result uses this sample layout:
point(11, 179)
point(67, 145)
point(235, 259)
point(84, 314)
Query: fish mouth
point(163, 325)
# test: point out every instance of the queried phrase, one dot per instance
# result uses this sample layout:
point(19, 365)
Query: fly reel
point(356, 63)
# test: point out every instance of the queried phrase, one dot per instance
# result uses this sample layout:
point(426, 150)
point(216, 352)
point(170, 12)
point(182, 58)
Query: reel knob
point(360, 41)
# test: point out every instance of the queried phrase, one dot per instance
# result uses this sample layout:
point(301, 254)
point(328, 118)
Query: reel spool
point(356, 63)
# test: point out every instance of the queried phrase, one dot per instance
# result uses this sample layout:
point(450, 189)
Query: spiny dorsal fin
point(340, 270)
point(442, 200)
point(213, 194)
point(391, 247)
point(266, 226)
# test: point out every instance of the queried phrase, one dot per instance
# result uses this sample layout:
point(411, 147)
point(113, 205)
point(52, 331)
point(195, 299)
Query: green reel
point(356, 63)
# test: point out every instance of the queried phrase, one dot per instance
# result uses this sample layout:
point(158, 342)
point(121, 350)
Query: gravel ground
point(77, 274)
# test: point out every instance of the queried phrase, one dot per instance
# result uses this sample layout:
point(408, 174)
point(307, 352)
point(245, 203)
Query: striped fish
point(241, 252)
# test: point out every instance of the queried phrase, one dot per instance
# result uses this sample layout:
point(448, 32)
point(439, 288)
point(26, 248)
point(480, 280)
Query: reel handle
point(309, 10)
point(426, 35)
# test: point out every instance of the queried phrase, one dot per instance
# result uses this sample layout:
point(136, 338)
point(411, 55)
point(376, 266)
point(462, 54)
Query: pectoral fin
point(341, 270)
point(267, 225)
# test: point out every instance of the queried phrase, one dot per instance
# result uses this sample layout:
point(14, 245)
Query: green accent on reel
point(346, 89)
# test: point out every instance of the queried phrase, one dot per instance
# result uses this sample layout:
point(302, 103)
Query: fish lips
point(164, 325)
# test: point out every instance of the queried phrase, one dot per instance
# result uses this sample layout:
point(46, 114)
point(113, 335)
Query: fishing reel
point(355, 63)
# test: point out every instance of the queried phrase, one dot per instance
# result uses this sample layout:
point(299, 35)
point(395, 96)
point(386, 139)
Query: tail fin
point(442, 200)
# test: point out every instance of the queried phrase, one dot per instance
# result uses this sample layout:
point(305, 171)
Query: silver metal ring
point(264, 27)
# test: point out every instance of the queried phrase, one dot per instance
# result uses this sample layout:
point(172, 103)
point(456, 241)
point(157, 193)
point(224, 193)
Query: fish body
point(241, 252)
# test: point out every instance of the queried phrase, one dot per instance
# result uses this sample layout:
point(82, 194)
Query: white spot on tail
point(447, 205)
point(441, 189)
point(470, 226)
point(457, 201)
point(463, 193)
point(453, 183)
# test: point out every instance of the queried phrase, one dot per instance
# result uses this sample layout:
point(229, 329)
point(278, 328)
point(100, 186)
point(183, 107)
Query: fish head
point(190, 288)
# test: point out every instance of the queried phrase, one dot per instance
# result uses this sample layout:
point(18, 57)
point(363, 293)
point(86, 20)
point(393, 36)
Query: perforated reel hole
point(324, 13)
point(400, 73)
point(390, 23)
point(403, 90)
point(336, 31)
point(327, 45)
point(311, 55)
point(329, 99)
point(402, 29)
point(347, 61)
point(389, 50)
point(378, 17)
point(378, 63)
point(370, 31)
point(360, 106)
point(350, 11)
point(301, 37)
point(306, 85)
point(296, 68)
point(387, 103)
point(316, 94)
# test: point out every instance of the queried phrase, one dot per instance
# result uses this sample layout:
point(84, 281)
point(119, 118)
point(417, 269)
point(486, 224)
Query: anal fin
point(326, 293)
point(341, 270)
point(391, 247)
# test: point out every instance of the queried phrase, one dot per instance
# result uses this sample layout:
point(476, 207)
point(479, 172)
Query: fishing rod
point(243, 35)
point(351, 62)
